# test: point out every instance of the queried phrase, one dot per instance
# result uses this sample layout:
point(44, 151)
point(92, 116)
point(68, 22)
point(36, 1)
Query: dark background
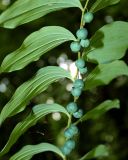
point(111, 129)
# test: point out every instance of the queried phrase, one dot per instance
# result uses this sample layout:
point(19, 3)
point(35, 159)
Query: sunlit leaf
point(34, 46)
point(32, 88)
point(27, 152)
point(39, 112)
point(100, 4)
point(103, 74)
point(109, 43)
point(23, 11)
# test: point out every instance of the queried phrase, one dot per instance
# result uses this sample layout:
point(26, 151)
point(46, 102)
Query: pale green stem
point(79, 53)
point(69, 121)
point(79, 56)
point(85, 7)
point(64, 158)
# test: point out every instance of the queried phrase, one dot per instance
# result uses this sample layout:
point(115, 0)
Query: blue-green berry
point(80, 63)
point(72, 107)
point(73, 129)
point(65, 150)
point(70, 144)
point(88, 17)
point(82, 33)
point(85, 43)
point(78, 83)
point(83, 70)
point(75, 47)
point(76, 92)
point(78, 114)
point(68, 134)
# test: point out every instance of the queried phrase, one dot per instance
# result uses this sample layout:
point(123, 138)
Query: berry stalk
point(82, 42)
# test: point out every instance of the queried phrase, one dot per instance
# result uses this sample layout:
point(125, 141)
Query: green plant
point(96, 50)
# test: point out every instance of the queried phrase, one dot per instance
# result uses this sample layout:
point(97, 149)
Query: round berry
point(78, 114)
point(76, 92)
point(68, 134)
point(80, 63)
point(75, 47)
point(73, 129)
point(78, 83)
point(82, 33)
point(72, 107)
point(83, 70)
point(70, 144)
point(85, 43)
point(65, 150)
point(88, 17)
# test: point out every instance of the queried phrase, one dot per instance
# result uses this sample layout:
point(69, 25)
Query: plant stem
point(81, 23)
point(79, 53)
point(85, 7)
point(79, 56)
point(64, 158)
point(75, 123)
point(69, 122)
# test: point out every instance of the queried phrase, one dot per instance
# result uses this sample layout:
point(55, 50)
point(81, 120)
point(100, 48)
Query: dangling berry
point(75, 47)
point(85, 43)
point(82, 33)
point(76, 92)
point(70, 144)
point(78, 114)
point(88, 17)
point(78, 83)
point(80, 63)
point(65, 150)
point(68, 134)
point(72, 107)
point(73, 129)
point(83, 70)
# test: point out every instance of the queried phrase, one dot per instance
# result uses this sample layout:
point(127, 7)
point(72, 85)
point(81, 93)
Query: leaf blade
point(101, 75)
point(99, 4)
point(99, 151)
point(102, 49)
point(31, 88)
point(25, 11)
point(100, 110)
point(34, 46)
point(39, 111)
point(27, 152)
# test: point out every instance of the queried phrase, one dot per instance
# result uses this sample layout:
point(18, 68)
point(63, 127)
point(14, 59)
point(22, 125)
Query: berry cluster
point(70, 143)
point(72, 108)
point(82, 34)
point(72, 130)
point(78, 85)
point(80, 64)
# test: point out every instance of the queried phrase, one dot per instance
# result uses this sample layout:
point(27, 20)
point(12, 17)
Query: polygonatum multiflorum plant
point(105, 49)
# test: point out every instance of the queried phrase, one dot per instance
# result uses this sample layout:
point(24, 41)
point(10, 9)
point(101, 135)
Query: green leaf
point(100, 110)
point(25, 11)
point(32, 88)
point(103, 74)
point(39, 111)
point(27, 152)
point(109, 43)
point(99, 151)
point(100, 4)
point(34, 46)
